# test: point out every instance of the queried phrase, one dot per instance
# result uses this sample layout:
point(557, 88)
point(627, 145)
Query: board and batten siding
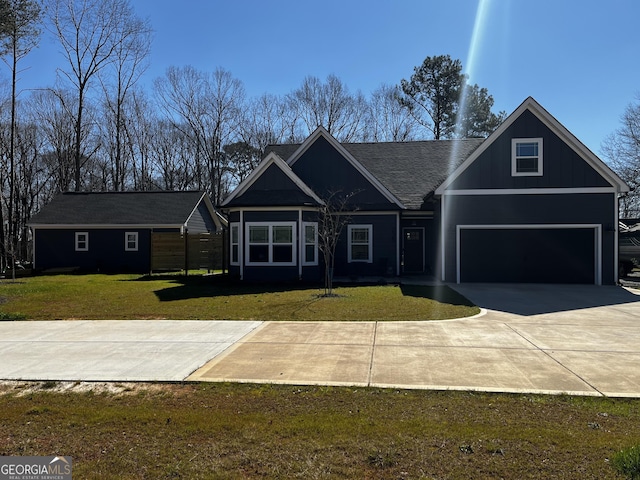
point(548, 210)
point(562, 166)
point(55, 248)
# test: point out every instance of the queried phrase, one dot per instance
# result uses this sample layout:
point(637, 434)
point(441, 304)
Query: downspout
point(616, 239)
point(186, 251)
point(398, 242)
point(442, 234)
point(241, 244)
point(33, 249)
point(300, 244)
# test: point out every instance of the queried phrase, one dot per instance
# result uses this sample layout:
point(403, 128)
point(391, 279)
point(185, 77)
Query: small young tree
point(333, 216)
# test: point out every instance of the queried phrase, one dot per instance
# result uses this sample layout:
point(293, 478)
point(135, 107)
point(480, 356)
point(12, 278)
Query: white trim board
point(597, 230)
point(530, 191)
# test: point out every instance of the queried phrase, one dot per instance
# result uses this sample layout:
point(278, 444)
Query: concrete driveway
point(531, 338)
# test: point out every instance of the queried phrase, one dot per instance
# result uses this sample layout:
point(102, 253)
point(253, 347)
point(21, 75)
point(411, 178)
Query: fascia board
point(253, 176)
point(99, 226)
point(270, 159)
point(212, 211)
point(577, 146)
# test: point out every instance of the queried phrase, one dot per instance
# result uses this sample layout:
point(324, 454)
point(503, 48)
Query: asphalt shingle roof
point(121, 208)
point(409, 170)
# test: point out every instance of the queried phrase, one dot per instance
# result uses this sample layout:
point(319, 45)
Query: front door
point(413, 249)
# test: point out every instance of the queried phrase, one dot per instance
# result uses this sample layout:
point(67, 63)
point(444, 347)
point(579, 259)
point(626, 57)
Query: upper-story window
point(526, 157)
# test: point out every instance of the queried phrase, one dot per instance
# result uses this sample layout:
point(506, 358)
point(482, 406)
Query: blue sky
point(579, 58)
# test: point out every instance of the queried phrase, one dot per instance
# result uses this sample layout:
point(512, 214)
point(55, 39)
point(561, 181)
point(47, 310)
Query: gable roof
point(408, 170)
point(322, 132)
point(154, 209)
point(531, 105)
point(304, 193)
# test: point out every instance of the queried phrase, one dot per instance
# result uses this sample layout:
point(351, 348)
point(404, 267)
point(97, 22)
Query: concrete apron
point(587, 342)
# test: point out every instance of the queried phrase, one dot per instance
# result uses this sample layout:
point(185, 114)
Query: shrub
point(627, 462)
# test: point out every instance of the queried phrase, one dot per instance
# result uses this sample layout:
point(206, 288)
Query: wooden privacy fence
point(199, 251)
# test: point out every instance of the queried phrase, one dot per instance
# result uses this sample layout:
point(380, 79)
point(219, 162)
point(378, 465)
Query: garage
point(529, 254)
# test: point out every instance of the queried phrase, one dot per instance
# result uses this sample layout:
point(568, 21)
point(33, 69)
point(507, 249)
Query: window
point(82, 241)
point(271, 244)
point(360, 243)
point(526, 157)
point(310, 247)
point(131, 241)
point(235, 244)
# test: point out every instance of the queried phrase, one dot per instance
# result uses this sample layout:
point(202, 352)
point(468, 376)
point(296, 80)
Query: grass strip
point(263, 431)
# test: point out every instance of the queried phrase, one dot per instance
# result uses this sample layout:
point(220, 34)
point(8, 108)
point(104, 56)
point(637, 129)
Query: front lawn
point(94, 297)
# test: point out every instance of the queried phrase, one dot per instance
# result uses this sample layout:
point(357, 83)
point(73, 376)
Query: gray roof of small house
point(118, 208)
point(409, 170)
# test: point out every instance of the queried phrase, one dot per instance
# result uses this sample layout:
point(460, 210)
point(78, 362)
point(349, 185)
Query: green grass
point(258, 431)
point(52, 297)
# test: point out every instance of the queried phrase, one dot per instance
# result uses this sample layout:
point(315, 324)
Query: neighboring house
point(114, 231)
point(528, 204)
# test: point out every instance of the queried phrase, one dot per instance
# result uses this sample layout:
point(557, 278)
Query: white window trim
point(304, 244)
point(126, 242)
point(86, 242)
point(233, 225)
point(514, 163)
point(370, 244)
point(270, 243)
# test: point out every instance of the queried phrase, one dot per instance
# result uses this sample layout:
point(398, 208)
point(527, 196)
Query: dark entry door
point(413, 248)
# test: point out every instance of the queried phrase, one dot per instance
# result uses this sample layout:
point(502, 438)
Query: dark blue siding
point(385, 253)
point(597, 209)
point(327, 172)
point(562, 166)
point(273, 188)
point(56, 249)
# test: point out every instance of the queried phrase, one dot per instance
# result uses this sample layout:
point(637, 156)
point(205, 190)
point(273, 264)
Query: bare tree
point(333, 216)
point(171, 153)
point(91, 33)
point(20, 33)
point(129, 63)
point(269, 119)
point(331, 105)
point(622, 151)
point(388, 120)
point(57, 126)
point(140, 134)
point(207, 108)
